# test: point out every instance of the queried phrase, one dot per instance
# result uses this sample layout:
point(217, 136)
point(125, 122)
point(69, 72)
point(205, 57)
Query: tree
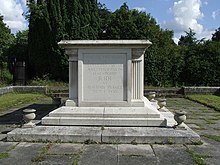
point(126, 24)
point(6, 39)
point(188, 39)
point(19, 49)
point(39, 39)
point(105, 19)
point(57, 20)
point(133, 24)
point(216, 35)
point(201, 61)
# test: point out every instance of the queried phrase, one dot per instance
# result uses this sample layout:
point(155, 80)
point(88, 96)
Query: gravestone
point(106, 84)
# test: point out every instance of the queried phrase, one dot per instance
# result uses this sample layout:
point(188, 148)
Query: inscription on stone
point(104, 77)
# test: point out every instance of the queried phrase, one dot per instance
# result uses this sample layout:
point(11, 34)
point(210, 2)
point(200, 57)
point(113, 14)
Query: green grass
point(77, 157)
point(6, 154)
point(217, 129)
point(208, 100)
point(14, 99)
point(42, 156)
point(213, 137)
point(209, 121)
point(197, 158)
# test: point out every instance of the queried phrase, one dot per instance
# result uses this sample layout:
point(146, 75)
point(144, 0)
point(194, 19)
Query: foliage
point(58, 19)
point(188, 39)
point(19, 49)
point(13, 99)
point(160, 58)
point(216, 35)
point(201, 64)
point(208, 100)
point(192, 62)
point(6, 39)
point(51, 84)
point(5, 75)
point(163, 63)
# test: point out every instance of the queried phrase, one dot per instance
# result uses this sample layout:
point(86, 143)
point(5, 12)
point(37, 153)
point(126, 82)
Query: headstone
point(106, 84)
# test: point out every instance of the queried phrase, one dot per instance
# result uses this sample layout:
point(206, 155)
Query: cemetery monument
point(106, 84)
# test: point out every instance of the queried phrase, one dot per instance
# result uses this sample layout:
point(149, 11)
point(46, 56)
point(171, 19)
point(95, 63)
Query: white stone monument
point(106, 84)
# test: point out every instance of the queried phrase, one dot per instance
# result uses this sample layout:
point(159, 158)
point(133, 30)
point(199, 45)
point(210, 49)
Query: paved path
point(203, 120)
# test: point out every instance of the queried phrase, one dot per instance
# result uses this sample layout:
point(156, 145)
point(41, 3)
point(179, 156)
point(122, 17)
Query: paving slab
point(129, 149)
point(22, 154)
point(212, 161)
point(65, 149)
point(173, 154)
point(193, 126)
point(5, 146)
point(137, 160)
point(209, 148)
point(57, 160)
point(136, 154)
point(99, 155)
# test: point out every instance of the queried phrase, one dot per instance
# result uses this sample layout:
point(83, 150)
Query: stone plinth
point(106, 75)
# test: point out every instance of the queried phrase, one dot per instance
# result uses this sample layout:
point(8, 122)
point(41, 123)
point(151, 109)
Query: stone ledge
point(201, 90)
point(6, 90)
point(23, 89)
point(142, 135)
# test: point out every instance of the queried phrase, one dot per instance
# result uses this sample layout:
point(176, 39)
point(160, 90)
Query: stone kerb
point(6, 90)
point(23, 89)
point(30, 89)
point(201, 90)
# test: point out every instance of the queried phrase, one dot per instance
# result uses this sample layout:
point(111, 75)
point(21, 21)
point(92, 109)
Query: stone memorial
point(106, 84)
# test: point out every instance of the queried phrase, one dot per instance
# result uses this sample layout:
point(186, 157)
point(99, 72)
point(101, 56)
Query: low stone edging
point(201, 90)
point(161, 92)
point(180, 92)
point(23, 89)
point(5, 90)
point(175, 92)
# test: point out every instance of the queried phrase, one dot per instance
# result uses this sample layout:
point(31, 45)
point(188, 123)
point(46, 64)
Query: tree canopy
point(216, 35)
point(6, 39)
point(53, 20)
point(191, 62)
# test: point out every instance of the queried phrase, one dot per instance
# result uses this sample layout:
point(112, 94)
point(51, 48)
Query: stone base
point(107, 134)
point(28, 125)
point(104, 116)
point(144, 115)
point(81, 134)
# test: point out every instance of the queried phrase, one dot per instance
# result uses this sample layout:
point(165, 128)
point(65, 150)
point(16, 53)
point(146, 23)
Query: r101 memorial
point(106, 84)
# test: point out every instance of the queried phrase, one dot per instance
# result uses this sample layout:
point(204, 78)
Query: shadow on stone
point(16, 117)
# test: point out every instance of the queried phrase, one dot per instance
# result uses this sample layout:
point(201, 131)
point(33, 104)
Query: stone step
point(104, 112)
point(111, 135)
point(92, 121)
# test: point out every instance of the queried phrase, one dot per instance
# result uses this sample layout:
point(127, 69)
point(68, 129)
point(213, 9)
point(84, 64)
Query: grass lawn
point(208, 100)
point(14, 99)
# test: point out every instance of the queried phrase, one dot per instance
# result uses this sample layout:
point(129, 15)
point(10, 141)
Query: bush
point(5, 76)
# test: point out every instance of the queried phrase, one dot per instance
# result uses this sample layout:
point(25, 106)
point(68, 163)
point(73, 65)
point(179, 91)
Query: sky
point(203, 16)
